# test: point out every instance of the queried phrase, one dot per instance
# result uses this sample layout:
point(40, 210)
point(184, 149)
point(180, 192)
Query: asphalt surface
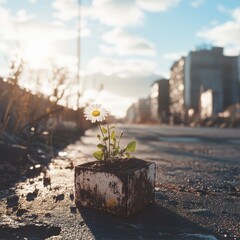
point(197, 190)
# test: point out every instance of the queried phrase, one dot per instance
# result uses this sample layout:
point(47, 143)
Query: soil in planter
point(118, 165)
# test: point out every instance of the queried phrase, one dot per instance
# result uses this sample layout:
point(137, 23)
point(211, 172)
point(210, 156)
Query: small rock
point(73, 209)
point(181, 188)
point(70, 166)
point(72, 196)
point(46, 181)
point(189, 180)
point(47, 215)
point(173, 203)
point(32, 195)
point(12, 201)
point(31, 181)
point(21, 211)
point(59, 197)
point(81, 223)
point(202, 190)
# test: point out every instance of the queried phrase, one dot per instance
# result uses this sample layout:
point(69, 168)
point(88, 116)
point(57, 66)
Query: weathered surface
point(197, 191)
point(121, 193)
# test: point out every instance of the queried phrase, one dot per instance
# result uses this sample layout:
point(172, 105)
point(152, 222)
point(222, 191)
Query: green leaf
point(105, 139)
point(114, 142)
point(101, 146)
point(131, 147)
point(98, 155)
point(121, 134)
point(127, 155)
point(104, 130)
point(112, 127)
point(99, 137)
point(112, 135)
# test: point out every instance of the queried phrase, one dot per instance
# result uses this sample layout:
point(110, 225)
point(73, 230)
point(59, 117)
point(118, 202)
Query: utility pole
point(78, 53)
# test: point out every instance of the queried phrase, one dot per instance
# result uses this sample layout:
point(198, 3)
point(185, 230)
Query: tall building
point(160, 101)
point(176, 91)
point(139, 112)
point(239, 78)
point(199, 71)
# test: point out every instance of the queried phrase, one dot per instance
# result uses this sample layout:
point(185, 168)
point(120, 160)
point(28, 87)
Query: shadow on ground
point(29, 232)
point(154, 222)
point(19, 162)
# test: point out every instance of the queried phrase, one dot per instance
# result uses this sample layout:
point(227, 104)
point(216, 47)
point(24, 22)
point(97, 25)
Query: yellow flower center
point(96, 113)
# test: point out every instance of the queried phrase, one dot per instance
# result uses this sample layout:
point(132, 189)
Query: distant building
point(239, 78)
point(196, 73)
point(139, 112)
point(131, 114)
point(160, 101)
point(206, 104)
point(176, 91)
point(143, 110)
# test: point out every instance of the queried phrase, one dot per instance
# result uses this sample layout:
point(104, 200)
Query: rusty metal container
point(120, 193)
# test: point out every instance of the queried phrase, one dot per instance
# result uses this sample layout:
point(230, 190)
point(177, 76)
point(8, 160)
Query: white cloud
point(236, 14)
point(174, 56)
point(124, 43)
point(32, 1)
point(4, 16)
point(45, 31)
point(157, 5)
point(3, 47)
point(117, 13)
point(58, 23)
point(197, 3)
point(66, 9)
point(226, 34)
point(112, 12)
point(23, 16)
point(126, 68)
point(6, 21)
point(232, 51)
point(37, 39)
point(34, 29)
point(68, 61)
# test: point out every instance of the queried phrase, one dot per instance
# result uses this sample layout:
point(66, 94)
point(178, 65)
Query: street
point(197, 190)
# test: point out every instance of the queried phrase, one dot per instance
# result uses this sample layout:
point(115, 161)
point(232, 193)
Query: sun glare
point(36, 52)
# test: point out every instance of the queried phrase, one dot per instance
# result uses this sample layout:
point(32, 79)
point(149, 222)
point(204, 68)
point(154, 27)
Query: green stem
point(104, 155)
point(100, 129)
point(109, 141)
point(119, 139)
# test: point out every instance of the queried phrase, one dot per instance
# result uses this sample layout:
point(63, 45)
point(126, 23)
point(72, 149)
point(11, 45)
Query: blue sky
point(125, 46)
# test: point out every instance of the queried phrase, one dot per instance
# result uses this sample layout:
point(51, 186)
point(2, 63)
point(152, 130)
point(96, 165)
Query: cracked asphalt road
point(197, 190)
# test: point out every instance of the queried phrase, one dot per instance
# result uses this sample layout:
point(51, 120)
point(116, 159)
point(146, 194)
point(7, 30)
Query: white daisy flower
point(95, 112)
